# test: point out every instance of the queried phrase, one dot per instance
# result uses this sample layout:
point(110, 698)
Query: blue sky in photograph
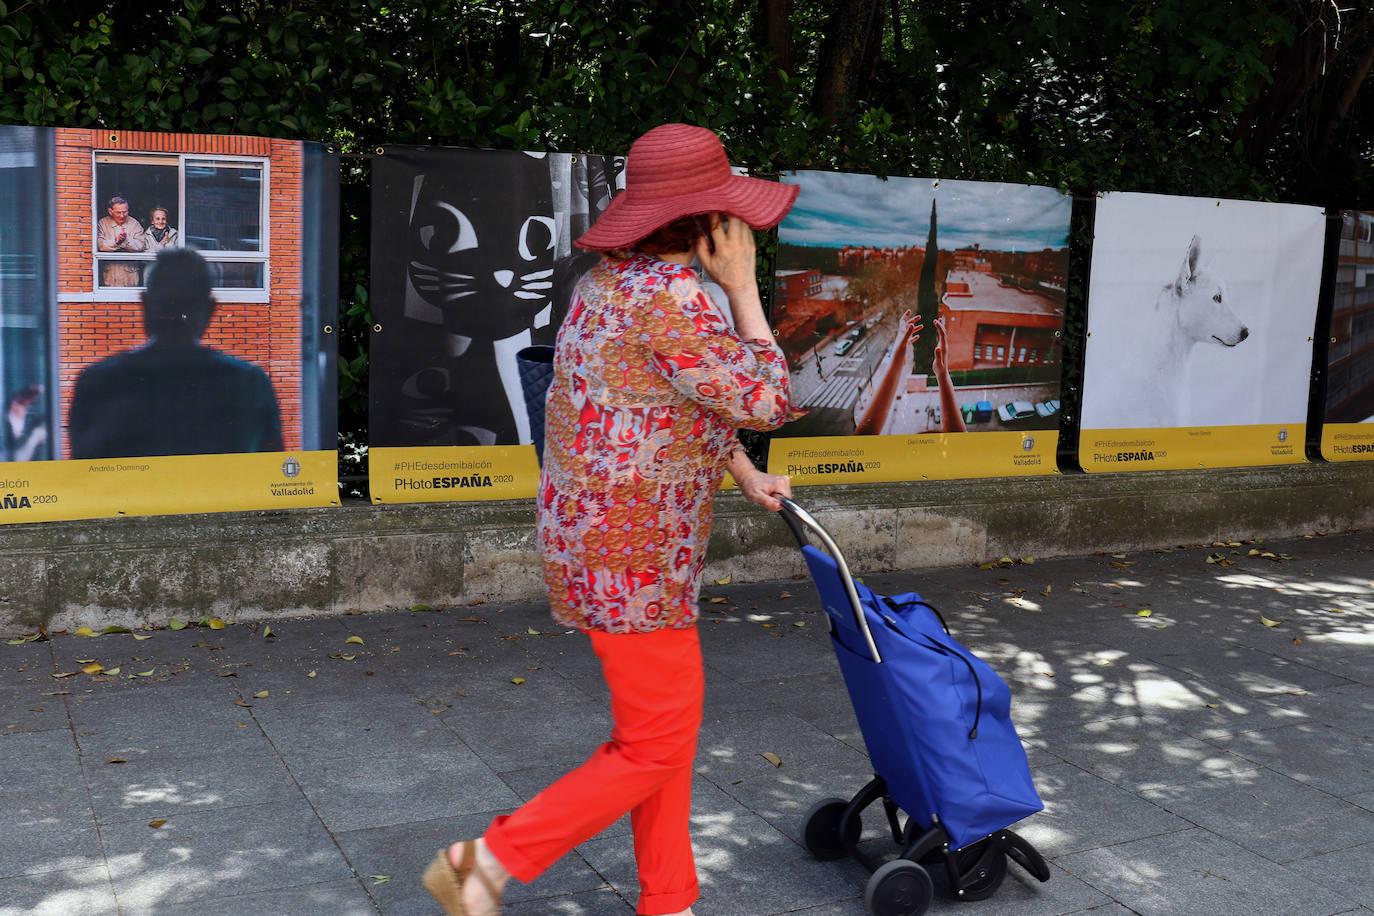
point(838, 208)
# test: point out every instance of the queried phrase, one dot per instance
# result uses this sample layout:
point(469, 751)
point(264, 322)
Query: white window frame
point(161, 159)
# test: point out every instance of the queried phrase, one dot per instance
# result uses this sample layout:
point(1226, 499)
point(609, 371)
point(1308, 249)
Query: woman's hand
point(909, 328)
point(939, 364)
point(764, 489)
point(732, 263)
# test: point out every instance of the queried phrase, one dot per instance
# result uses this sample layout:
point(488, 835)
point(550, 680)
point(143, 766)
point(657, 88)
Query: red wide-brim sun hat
point(678, 170)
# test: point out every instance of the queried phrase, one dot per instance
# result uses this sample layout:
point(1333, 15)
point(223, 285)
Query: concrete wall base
point(143, 571)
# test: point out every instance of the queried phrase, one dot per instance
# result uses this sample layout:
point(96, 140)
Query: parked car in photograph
point(1016, 411)
point(1047, 408)
point(844, 346)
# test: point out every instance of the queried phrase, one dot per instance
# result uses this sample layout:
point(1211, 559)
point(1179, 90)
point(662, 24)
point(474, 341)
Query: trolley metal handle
point(801, 522)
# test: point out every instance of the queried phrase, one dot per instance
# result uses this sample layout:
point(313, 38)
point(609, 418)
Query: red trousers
point(657, 684)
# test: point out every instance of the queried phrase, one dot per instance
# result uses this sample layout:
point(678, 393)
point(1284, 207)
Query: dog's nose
point(1244, 333)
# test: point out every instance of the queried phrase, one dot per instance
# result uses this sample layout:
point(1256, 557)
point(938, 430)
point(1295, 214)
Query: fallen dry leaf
point(785, 595)
point(116, 760)
point(92, 668)
point(723, 600)
point(175, 624)
point(267, 631)
point(142, 637)
point(84, 631)
point(517, 681)
point(243, 704)
point(262, 694)
point(1048, 589)
point(727, 580)
point(1144, 612)
point(1269, 623)
point(355, 640)
point(772, 758)
point(158, 823)
point(311, 674)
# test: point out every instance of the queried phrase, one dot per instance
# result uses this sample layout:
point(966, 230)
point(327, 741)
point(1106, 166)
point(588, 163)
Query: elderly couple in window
point(118, 231)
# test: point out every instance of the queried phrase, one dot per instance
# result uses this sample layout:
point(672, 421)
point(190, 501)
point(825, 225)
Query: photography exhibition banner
point(167, 304)
point(472, 262)
point(1199, 347)
point(922, 321)
point(1348, 427)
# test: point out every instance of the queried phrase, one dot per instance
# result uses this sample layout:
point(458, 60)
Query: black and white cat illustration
point(483, 253)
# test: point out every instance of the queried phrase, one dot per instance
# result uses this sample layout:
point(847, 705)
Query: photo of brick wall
point(122, 198)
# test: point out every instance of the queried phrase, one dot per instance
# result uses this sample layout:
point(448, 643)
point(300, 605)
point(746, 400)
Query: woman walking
point(651, 382)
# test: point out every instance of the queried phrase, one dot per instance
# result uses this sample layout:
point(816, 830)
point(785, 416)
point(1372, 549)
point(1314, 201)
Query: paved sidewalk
point(1192, 761)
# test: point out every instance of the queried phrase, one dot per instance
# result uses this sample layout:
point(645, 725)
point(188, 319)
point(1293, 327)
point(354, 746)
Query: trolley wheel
point(821, 830)
point(899, 888)
point(981, 873)
point(982, 868)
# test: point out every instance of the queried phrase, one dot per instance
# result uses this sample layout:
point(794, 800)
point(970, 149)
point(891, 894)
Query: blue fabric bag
point(535, 364)
point(935, 718)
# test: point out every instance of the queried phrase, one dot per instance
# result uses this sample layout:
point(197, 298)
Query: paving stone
point(218, 854)
point(1346, 871)
point(1319, 755)
point(58, 893)
point(337, 898)
point(561, 732)
point(186, 781)
point(352, 793)
point(1269, 814)
point(1196, 873)
point(1083, 811)
point(333, 727)
point(1138, 755)
point(49, 843)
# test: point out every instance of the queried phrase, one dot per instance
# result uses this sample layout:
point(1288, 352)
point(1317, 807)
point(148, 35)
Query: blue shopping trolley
point(936, 721)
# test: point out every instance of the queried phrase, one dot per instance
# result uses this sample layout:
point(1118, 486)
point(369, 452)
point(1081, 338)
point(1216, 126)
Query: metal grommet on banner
point(936, 184)
point(114, 138)
point(381, 151)
point(1056, 333)
point(376, 329)
point(573, 158)
point(329, 329)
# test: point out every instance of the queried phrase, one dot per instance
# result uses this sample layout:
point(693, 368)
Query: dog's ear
point(1189, 268)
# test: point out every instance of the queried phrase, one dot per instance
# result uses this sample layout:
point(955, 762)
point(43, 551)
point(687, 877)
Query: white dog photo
point(1200, 312)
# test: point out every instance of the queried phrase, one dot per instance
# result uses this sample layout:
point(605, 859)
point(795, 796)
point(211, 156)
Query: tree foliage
point(1241, 98)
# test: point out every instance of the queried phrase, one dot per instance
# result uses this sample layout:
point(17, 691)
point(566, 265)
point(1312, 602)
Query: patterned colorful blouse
point(650, 383)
